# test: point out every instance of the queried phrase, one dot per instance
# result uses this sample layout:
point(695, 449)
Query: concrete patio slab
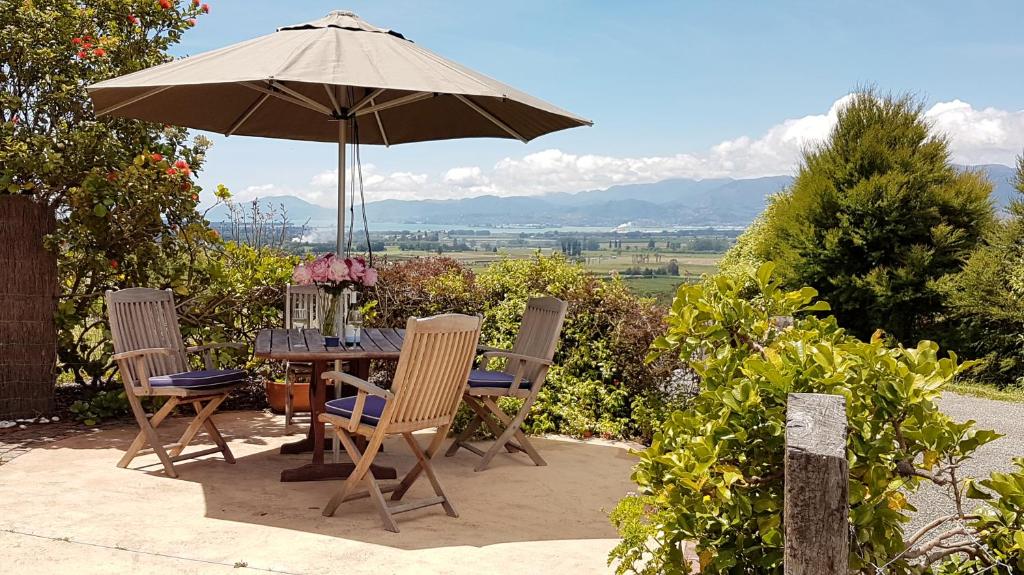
point(65, 507)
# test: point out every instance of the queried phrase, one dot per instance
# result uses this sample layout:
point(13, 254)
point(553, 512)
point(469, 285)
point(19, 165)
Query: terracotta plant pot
point(300, 396)
point(276, 396)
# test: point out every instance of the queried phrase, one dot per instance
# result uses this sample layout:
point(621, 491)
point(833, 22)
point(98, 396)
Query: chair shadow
point(511, 501)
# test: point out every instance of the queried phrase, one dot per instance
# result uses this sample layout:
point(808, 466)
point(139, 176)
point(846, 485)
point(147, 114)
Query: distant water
point(383, 227)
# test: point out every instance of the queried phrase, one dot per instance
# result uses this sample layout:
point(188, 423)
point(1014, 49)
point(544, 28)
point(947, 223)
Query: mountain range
point(674, 202)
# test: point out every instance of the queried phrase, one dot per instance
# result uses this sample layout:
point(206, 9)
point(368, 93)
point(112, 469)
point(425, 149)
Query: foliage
point(122, 190)
point(986, 299)
point(712, 473)
point(876, 214)
point(105, 405)
point(599, 384)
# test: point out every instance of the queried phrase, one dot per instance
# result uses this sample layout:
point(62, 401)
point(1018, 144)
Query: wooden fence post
point(816, 485)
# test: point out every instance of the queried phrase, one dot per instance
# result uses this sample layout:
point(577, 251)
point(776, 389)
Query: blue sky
point(676, 89)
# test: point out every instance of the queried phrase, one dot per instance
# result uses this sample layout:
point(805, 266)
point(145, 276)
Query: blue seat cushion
point(199, 379)
point(372, 409)
point(484, 378)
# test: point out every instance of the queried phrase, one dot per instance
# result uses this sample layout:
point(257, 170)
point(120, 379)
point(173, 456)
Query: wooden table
point(307, 345)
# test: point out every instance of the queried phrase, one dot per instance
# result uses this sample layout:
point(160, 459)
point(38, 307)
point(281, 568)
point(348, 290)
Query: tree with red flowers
point(122, 190)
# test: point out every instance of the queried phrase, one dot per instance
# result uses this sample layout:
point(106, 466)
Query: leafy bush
point(712, 474)
point(986, 300)
point(600, 382)
point(875, 216)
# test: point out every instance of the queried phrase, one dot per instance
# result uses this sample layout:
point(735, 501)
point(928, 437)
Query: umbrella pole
point(342, 125)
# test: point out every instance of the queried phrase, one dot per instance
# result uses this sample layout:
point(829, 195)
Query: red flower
point(165, 4)
point(76, 41)
point(172, 171)
point(83, 54)
point(195, 197)
point(113, 264)
point(133, 19)
point(181, 164)
point(206, 8)
point(15, 120)
point(156, 158)
point(99, 52)
point(111, 176)
point(87, 37)
point(195, 2)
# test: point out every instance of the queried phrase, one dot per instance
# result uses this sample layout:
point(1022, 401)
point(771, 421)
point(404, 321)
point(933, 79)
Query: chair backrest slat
point(436, 357)
point(302, 307)
point(539, 333)
point(142, 318)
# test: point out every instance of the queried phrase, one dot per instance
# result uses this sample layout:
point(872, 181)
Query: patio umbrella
point(325, 80)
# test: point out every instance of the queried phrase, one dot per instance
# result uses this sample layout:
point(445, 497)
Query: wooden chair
point(526, 367)
point(302, 309)
point(436, 358)
point(151, 359)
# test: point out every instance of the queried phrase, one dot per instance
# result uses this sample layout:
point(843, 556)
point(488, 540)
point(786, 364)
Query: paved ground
point(66, 508)
point(1006, 418)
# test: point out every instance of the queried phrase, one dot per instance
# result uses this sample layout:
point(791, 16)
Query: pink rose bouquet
point(334, 274)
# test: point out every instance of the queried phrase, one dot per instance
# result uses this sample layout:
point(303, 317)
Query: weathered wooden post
point(816, 492)
point(28, 297)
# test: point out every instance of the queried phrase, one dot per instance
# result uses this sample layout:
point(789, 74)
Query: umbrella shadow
point(512, 501)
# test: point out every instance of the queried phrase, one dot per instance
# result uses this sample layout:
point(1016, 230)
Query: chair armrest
point(138, 357)
point(481, 348)
point(142, 352)
point(517, 357)
point(209, 361)
point(358, 383)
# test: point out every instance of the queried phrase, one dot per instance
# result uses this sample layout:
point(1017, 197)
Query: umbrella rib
point(286, 98)
point(245, 115)
point(131, 101)
point(396, 102)
point(334, 101)
point(368, 99)
point(380, 126)
point(479, 109)
point(300, 96)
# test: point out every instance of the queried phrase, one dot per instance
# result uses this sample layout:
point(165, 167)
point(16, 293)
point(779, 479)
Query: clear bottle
point(354, 327)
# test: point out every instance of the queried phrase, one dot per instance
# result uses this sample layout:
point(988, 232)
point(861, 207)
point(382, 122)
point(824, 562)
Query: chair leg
point(486, 416)
point(140, 439)
point(512, 429)
point(193, 427)
point(362, 472)
point(414, 473)
point(466, 434)
point(424, 464)
point(150, 434)
point(214, 433)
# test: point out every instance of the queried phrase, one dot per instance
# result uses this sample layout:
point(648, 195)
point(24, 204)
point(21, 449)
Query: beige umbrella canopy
point(314, 81)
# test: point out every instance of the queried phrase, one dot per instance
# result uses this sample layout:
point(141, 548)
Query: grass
point(985, 391)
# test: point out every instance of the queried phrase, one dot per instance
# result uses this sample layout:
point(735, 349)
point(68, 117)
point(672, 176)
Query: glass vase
point(332, 322)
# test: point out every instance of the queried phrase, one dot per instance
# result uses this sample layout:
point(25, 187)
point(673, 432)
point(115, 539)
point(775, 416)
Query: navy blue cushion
point(372, 409)
point(484, 378)
point(204, 378)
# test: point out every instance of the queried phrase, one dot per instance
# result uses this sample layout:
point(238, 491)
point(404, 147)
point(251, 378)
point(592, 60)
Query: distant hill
point(675, 202)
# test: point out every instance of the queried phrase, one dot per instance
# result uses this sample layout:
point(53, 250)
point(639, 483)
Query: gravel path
point(1006, 418)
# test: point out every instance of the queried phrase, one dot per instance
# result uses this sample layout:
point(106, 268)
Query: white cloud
point(976, 136)
point(987, 136)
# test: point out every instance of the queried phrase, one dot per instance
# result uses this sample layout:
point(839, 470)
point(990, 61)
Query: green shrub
point(712, 474)
point(876, 214)
point(985, 301)
point(104, 405)
point(599, 377)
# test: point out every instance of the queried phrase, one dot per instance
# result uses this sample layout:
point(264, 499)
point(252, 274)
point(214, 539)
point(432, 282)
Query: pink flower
point(337, 271)
point(206, 8)
point(132, 18)
point(370, 277)
point(320, 267)
point(302, 276)
point(355, 268)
